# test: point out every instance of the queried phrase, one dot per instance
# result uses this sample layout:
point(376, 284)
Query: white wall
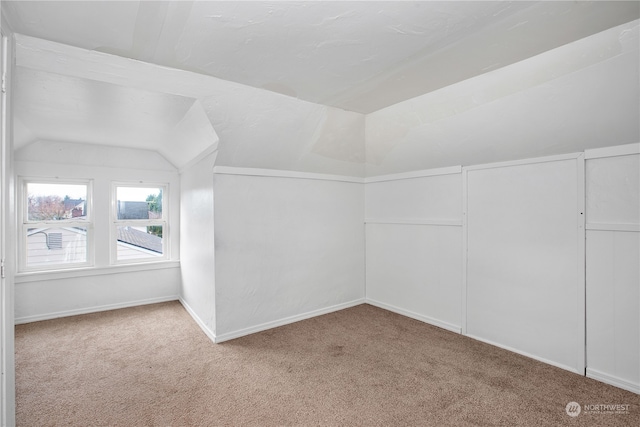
point(287, 248)
point(197, 264)
point(7, 235)
point(613, 266)
point(524, 256)
point(45, 295)
point(524, 277)
point(60, 295)
point(414, 246)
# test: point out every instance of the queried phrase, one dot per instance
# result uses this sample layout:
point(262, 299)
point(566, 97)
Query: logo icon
point(573, 409)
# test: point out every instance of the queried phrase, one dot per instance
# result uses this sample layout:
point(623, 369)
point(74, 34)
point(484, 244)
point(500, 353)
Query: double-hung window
point(139, 231)
point(56, 224)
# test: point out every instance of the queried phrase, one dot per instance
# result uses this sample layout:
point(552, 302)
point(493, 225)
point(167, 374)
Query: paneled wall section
point(524, 279)
point(414, 246)
point(613, 271)
point(520, 254)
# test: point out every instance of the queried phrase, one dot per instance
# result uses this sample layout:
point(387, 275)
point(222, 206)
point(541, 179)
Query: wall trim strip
point(426, 319)
point(287, 320)
point(613, 227)
point(618, 150)
point(208, 332)
point(93, 271)
point(275, 173)
point(415, 174)
point(560, 157)
point(408, 221)
point(529, 355)
point(581, 295)
point(613, 380)
point(95, 309)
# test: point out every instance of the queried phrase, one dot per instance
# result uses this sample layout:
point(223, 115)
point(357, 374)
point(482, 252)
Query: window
point(60, 229)
point(139, 231)
point(56, 224)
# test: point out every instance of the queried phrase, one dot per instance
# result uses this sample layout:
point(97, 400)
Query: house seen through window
point(56, 225)
point(140, 225)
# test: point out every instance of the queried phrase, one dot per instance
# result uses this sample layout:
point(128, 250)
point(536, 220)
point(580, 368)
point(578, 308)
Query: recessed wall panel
point(612, 190)
point(416, 269)
point(433, 197)
point(414, 247)
point(613, 270)
point(523, 287)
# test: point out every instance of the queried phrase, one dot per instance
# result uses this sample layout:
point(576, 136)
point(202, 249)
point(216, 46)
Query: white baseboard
point(95, 309)
point(529, 355)
point(426, 319)
point(287, 320)
point(613, 380)
point(208, 332)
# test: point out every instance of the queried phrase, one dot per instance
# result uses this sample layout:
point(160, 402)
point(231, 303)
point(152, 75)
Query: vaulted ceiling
point(358, 56)
point(328, 63)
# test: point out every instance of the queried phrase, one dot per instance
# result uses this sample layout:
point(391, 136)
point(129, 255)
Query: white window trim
point(25, 224)
point(115, 223)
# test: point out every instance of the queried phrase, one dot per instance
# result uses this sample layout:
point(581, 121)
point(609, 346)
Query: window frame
point(114, 223)
point(25, 224)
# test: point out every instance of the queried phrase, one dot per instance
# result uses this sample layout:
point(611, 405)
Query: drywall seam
point(95, 309)
point(287, 320)
point(208, 332)
point(405, 221)
point(230, 170)
point(618, 150)
point(415, 174)
point(612, 380)
point(426, 319)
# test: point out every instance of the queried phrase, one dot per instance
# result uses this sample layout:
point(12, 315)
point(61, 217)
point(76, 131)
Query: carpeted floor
point(153, 366)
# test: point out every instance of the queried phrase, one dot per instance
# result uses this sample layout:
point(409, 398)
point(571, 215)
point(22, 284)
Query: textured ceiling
point(349, 88)
point(358, 56)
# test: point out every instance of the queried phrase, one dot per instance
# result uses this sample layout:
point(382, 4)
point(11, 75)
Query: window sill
point(38, 276)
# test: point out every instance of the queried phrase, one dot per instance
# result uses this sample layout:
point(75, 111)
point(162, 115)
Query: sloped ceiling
point(283, 84)
point(358, 56)
point(579, 96)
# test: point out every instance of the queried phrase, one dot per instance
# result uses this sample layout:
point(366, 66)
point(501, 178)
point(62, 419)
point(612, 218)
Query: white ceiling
point(223, 67)
point(359, 56)
point(59, 107)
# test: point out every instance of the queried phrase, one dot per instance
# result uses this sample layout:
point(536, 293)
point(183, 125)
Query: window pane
point(56, 245)
point(139, 202)
point(53, 202)
point(139, 242)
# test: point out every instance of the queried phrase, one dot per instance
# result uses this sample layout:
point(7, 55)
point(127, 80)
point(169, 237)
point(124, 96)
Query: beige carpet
point(364, 366)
